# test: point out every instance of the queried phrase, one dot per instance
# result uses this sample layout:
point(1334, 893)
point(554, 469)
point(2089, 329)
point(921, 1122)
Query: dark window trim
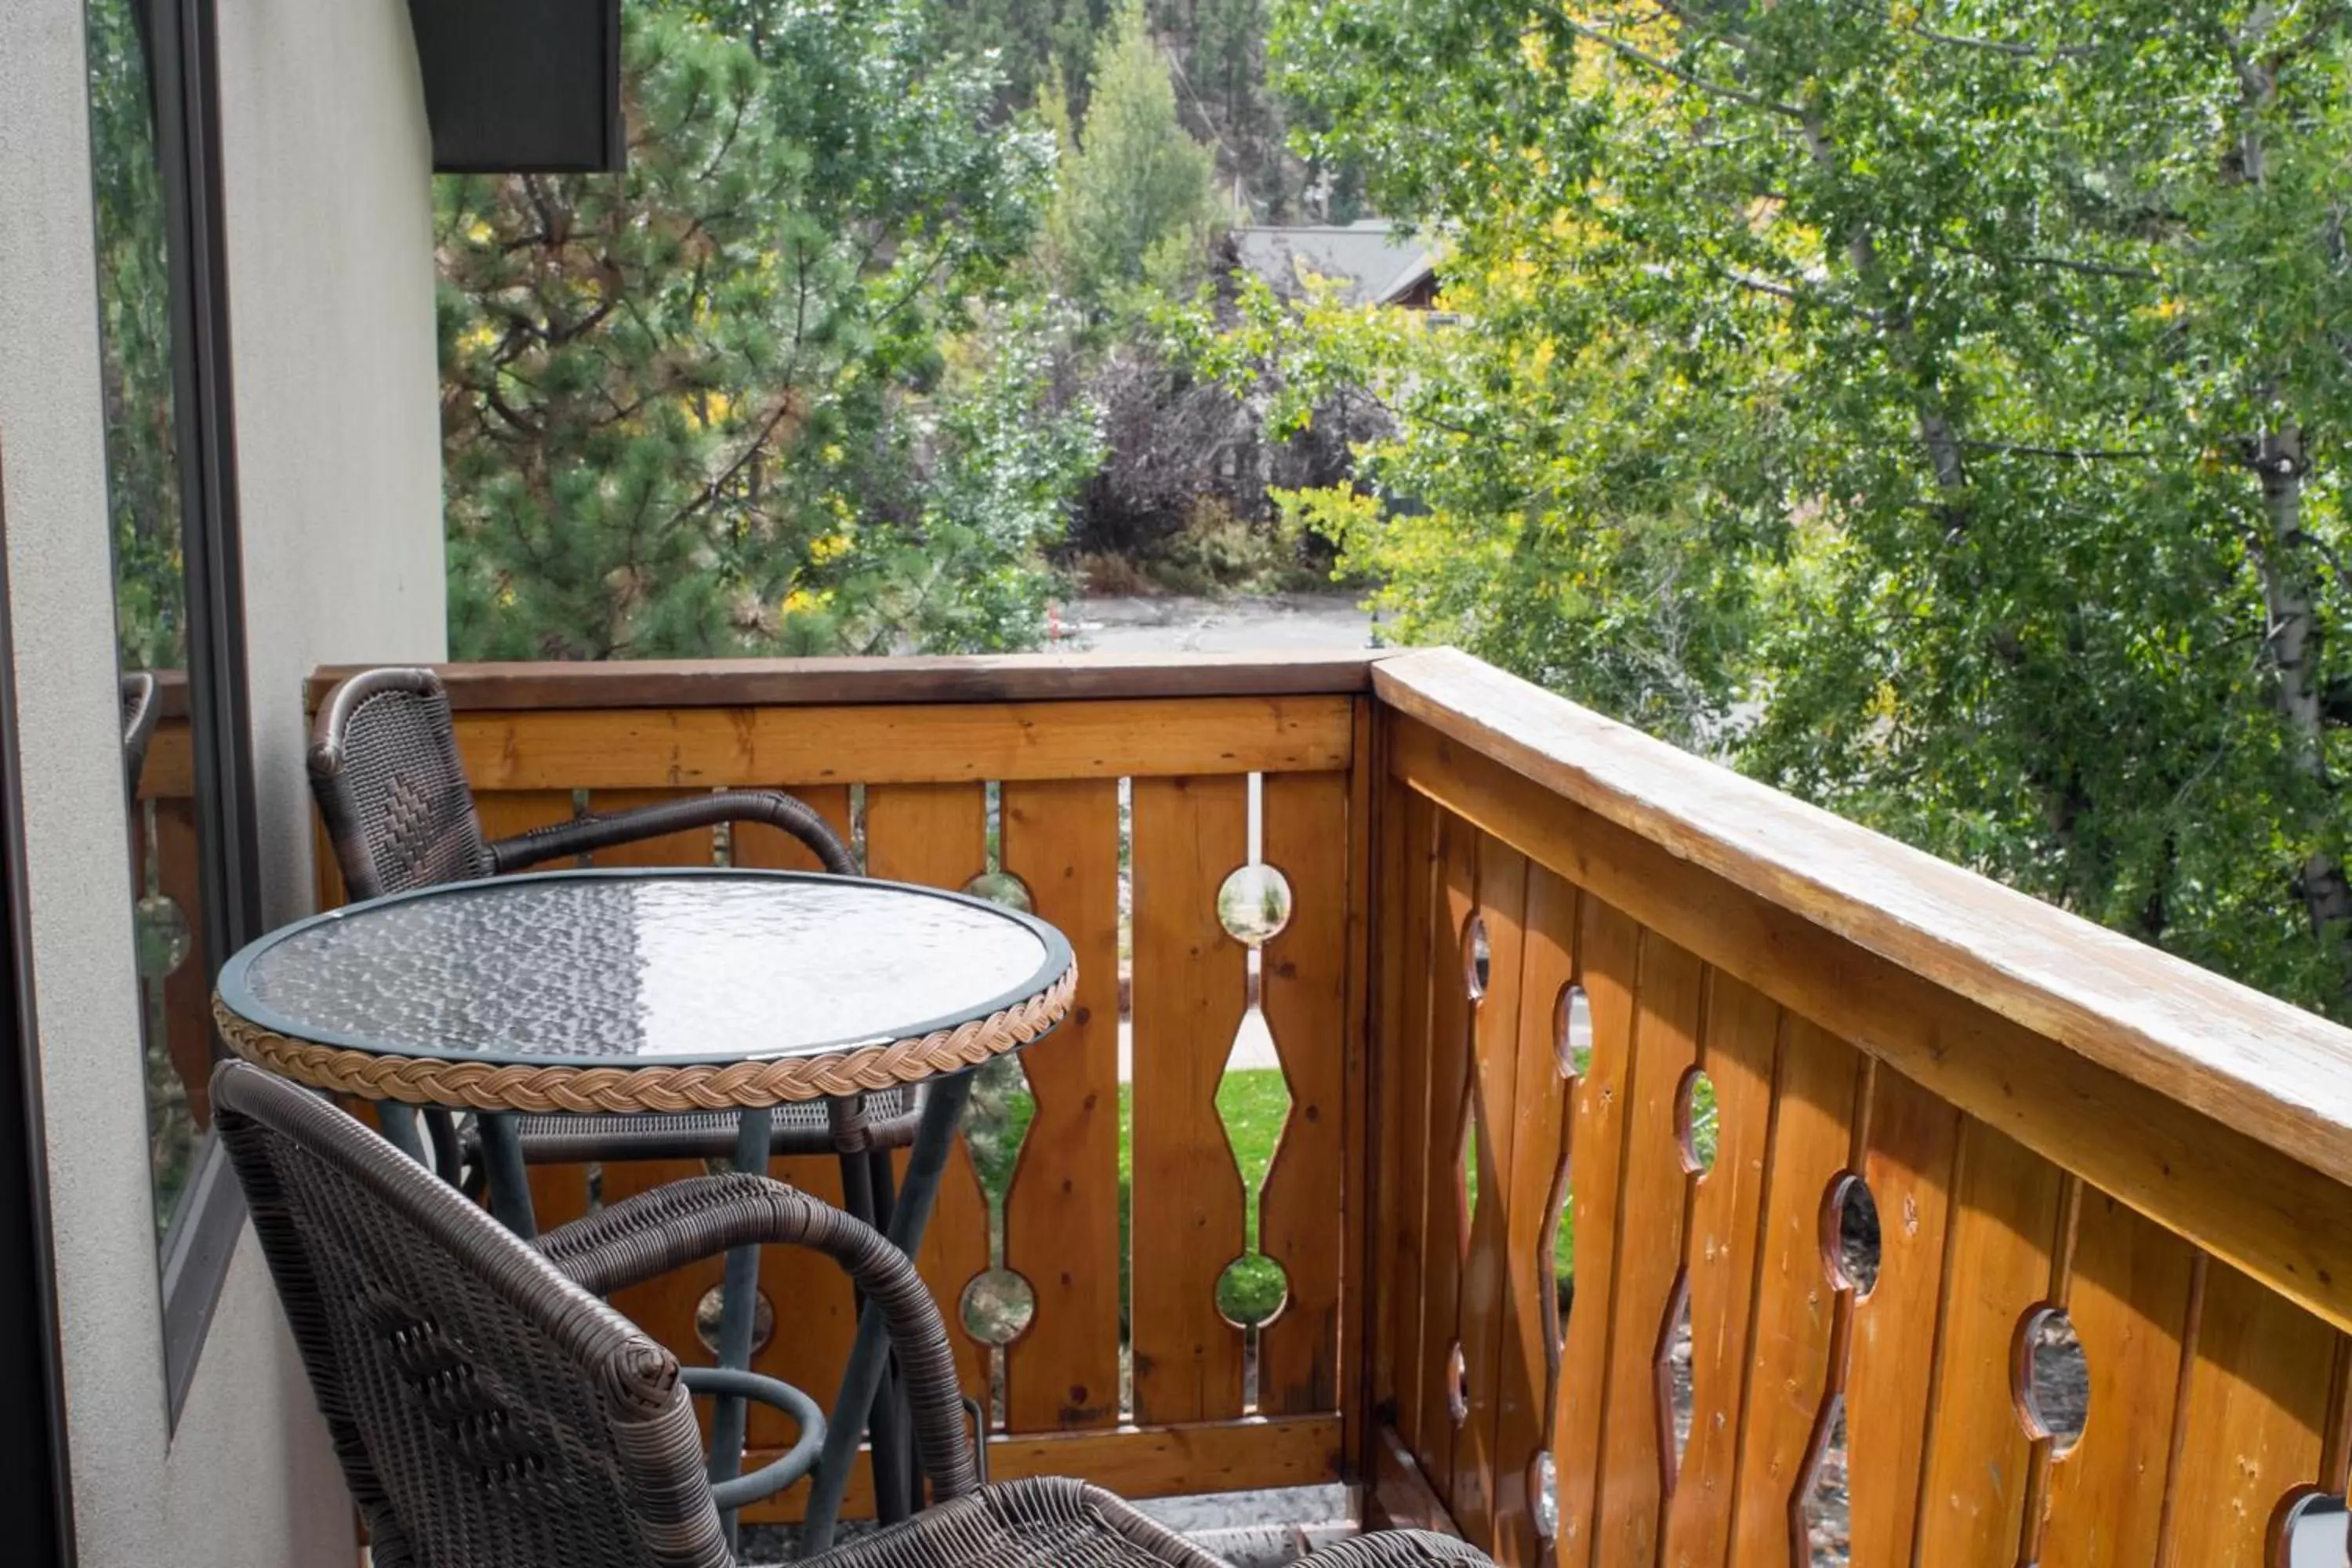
point(203, 1232)
point(36, 1491)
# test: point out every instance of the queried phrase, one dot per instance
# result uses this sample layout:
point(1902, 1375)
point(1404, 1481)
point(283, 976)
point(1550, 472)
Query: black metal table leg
point(853, 1142)
point(739, 1313)
point(934, 1137)
point(399, 1124)
point(509, 1188)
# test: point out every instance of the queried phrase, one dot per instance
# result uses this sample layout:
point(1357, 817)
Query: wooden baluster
point(1638, 1452)
point(1913, 1139)
point(1523, 1386)
point(1445, 1243)
point(2005, 1232)
point(1061, 1217)
point(2253, 1425)
point(1409, 1107)
point(2128, 1301)
point(1190, 979)
point(1302, 981)
point(1486, 1279)
point(1607, 959)
point(1791, 1376)
point(1740, 1054)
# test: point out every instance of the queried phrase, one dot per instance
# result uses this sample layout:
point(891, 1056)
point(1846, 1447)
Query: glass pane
point(143, 490)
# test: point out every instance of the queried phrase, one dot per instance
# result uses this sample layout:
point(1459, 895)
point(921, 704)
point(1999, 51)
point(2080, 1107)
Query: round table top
point(647, 971)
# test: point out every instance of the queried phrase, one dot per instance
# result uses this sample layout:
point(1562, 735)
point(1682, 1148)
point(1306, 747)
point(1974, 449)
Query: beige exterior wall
point(331, 278)
point(328, 166)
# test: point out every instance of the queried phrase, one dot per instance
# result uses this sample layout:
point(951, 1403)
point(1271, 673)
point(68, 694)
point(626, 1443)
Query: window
point(170, 471)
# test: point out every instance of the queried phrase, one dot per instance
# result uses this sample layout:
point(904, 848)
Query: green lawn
point(1255, 1104)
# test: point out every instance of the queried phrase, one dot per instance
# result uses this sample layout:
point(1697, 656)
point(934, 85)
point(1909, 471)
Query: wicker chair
point(488, 1409)
point(140, 712)
point(384, 769)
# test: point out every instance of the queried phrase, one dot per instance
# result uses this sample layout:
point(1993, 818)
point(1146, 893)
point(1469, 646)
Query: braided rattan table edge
point(552, 1088)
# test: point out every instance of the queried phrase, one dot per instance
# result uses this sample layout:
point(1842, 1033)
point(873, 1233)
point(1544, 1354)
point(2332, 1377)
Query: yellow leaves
point(827, 548)
point(801, 601)
point(708, 410)
point(479, 232)
point(479, 337)
point(832, 454)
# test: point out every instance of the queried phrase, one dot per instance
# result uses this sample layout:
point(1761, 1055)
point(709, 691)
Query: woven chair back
point(384, 769)
point(485, 1409)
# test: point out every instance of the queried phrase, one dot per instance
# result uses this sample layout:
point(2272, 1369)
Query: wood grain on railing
point(2057, 1127)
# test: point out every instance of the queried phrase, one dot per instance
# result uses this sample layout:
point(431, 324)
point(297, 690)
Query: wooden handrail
point(2270, 1071)
point(825, 682)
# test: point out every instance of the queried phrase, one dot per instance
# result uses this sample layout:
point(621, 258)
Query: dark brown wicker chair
point(384, 769)
point(490, 1412)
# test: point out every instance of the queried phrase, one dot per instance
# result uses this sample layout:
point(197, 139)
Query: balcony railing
point(1539, 971)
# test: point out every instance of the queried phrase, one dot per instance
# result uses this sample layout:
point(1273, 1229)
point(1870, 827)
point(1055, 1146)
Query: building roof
point(1371, 261)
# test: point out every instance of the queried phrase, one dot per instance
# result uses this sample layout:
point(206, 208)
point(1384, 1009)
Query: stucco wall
point(328, 162)
point(328, 214)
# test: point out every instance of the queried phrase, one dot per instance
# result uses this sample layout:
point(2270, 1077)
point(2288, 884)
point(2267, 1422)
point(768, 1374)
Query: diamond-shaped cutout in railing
point(1465, 1168)
point(1254, 1102)
point(997, 1305)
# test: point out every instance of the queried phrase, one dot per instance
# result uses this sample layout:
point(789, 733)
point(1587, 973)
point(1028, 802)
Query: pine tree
point(1137, 203)
point(685, 409)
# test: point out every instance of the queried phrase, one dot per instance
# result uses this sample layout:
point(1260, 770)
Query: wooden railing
point(2050, 1119)
point(1539, 970)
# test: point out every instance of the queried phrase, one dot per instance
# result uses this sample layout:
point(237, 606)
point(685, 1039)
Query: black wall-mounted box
point(522, 86)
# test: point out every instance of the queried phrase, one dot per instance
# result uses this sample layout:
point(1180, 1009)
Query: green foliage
point(1031, 41)
point(134, 298)
point(1939, 410)
point(758, 394)
point(1136, 202)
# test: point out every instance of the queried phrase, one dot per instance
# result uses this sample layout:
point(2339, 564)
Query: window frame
point(185, 68)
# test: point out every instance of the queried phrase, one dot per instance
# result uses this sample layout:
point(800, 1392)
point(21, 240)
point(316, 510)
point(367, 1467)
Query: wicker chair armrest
point(654, 1232)
point(584, 835)
point(1403, 1548)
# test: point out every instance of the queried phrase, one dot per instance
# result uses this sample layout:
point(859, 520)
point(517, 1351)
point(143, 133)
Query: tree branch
point(1643, 58)
point(2072, 454)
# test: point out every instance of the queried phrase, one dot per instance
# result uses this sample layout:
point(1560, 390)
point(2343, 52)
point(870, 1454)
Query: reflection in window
point(138, 369)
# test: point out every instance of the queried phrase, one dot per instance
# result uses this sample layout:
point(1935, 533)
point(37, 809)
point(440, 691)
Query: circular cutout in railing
point(1572, 1032)
point(1251, 1290)
point(1477, 958)
point(1850, 1239)
point(1457, 1384)
point(2054, 1401)
point(706, 1319)
point(997, 1307)
point(1001, 888)
point(1254, 904)
point(1543, 1494)
point(2313, 1530)
point(1695, 1120)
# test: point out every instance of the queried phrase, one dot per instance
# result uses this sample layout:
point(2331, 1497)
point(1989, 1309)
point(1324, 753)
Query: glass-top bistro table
point(629, 992)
